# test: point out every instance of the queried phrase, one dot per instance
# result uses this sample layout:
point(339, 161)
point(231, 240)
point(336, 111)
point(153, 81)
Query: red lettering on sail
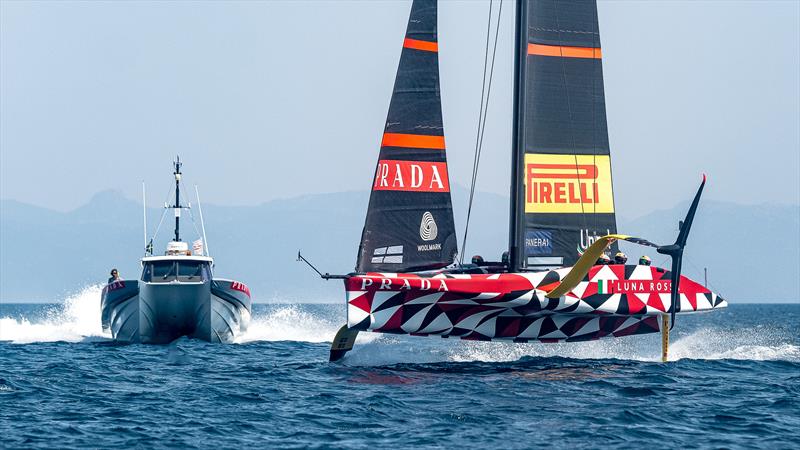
point(560, 187)
point(572, 197)
point(563, 171)
point(413, 176)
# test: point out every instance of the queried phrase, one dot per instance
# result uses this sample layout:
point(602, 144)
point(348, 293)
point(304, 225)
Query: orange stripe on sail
point(412, 141)
point(566, 52)
point(421, 45)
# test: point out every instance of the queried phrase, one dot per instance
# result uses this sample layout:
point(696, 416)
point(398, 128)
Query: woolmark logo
point(428, 230)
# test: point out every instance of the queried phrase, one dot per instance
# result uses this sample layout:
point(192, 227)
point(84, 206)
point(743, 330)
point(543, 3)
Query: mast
point(177, 206)
point(517, 138)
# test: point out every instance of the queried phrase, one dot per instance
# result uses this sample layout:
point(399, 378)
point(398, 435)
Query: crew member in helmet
point(620, 258)
point(478, 260)
point(603, 260)
point(644, 260)
point(504, 258)
point(114, 276)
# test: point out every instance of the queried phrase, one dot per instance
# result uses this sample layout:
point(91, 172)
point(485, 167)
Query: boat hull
point(158, 313)
point(611, 301)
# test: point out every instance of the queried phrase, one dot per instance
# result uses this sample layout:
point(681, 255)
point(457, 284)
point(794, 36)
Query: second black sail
point(563, 190)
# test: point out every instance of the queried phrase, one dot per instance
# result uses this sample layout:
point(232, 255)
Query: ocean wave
point(289, 323)
point(295, 322)
point(77, 319)
point(754, 344)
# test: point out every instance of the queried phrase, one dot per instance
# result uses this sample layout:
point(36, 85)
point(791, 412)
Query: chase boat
point(176, 295)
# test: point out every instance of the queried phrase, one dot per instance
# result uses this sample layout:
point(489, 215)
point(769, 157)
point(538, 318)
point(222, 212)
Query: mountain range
point(752, 252)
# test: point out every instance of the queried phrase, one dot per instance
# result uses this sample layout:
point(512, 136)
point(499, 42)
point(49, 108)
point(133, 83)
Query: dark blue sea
point(734, 382)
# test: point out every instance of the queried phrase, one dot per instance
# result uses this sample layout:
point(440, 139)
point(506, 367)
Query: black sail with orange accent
point(409, 224)
point(562, 189)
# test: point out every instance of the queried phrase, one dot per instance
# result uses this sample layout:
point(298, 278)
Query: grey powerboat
point(176, 295)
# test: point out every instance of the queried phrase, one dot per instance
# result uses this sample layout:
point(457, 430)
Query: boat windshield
point(168, 271)
point(192, 271)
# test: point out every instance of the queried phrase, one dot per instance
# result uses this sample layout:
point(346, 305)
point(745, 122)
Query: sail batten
point(409, 224)
point(564, 197)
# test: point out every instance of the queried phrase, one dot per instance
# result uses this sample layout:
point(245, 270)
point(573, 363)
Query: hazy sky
point(276, 99)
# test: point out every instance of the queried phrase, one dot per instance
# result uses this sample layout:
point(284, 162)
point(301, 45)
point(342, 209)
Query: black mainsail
point(409, 224)
point(562, 196)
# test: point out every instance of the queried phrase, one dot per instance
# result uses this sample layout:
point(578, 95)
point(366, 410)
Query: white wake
point(75, 320)
point(293, 322)
point(754, 344)
point(289, 323)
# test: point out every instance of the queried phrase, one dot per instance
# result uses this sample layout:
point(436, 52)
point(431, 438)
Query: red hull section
point(611, 301)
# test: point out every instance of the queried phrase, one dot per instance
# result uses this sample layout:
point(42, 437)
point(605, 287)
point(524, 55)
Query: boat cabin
point(177, 265)
point(181, 270)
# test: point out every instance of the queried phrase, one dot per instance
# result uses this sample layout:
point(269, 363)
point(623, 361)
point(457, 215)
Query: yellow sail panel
point(563, 184)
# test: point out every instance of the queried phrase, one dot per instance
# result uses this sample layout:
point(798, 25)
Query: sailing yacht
point(562, 212)
point(176, 295)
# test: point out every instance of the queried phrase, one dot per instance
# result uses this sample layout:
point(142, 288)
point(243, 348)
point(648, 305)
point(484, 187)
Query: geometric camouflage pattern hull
point(611, 301)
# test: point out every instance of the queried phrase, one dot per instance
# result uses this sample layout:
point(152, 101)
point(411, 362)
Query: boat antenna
point(144, 217)
point(202, 223)
point(177, 206)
